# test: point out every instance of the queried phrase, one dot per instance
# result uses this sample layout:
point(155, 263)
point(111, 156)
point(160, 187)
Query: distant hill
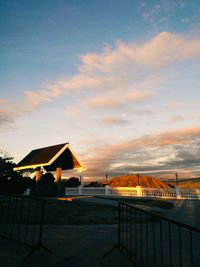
point(133, 180)
point(187, 183)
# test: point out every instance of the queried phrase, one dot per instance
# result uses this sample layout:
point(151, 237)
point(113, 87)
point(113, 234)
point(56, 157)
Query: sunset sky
point(118, 80)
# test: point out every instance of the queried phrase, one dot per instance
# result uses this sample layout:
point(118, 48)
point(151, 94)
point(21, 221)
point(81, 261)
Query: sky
point(118, 80)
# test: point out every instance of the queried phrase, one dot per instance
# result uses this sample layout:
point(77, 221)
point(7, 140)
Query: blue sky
point(118, 80)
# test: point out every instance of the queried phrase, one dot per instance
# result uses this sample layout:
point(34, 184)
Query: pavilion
point(52, 158)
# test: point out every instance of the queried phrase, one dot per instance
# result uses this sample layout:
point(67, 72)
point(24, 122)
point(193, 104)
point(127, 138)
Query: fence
point(152, 240)
point(138, 191)
point(21, 220)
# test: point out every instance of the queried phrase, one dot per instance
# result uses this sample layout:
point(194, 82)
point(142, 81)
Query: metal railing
point(151, 240)
point(21, 220)
point(138, 191)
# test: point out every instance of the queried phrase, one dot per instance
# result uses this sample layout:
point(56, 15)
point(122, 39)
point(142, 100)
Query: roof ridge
point(51, 146)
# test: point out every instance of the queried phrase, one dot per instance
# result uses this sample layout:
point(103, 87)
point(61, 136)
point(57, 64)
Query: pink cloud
point(140, 96)
point(161, 50)
point(114, 121)
point(8, 112)
point(177, 118)
point(118, 70)
point(104, 102)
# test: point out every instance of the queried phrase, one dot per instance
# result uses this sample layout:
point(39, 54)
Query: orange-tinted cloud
point(104, 102)
point(114, 121)
point(116, 69)
point(159, 152)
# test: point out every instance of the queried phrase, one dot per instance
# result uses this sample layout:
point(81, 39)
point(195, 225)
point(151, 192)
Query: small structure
point(53, 158)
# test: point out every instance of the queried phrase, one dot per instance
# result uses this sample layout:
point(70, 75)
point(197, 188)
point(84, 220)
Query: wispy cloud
point(139, 96)
point(160, 15)
point(176, 119)
point(174, 105)
point(114, 120)
point(113, 101)
point(126, 73)
point(159, 51)
point(181, 118)
point(105, 102)
point(8, 112)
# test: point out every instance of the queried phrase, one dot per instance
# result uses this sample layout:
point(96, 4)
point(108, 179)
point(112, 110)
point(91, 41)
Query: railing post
point(178, 195)
point(80, 189)
point(139, 191)
point(27, 192)
point(107, 190)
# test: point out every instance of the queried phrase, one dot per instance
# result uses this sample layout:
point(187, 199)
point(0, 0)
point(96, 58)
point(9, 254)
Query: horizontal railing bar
point(2, 195)
point(18, 241)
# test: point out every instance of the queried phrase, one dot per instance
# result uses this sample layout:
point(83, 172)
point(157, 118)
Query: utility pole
point(138, 179)
point(176, 175)
point(106, 178)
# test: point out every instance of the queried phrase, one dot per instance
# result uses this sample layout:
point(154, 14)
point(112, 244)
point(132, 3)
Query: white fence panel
point(93, 190)
point(173, 193)
point(70, 191)
point(123, 191)
point(189, 193)
point(159, 192)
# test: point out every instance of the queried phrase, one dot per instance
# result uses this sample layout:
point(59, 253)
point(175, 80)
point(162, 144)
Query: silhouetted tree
point(47, 179)
point(94, 184)
point(72, 182)
point(11, 181)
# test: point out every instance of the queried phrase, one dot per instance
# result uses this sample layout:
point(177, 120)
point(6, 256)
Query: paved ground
point(72, 246)
point(77, 245)
point(85, 245)
point(188, 211)
point(185, 211)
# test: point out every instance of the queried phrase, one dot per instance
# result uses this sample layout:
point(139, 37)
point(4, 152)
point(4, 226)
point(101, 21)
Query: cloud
point(104, 102)
point(117, 69)
point(144, 112)
point(114, 121)
point(114, 102)
point(165, 151)
point(8, 112)
point(36, 99)
point(161, 50)
point(175, 119)
point(174, 105)
point(127, 72)
point(140, 96)
point(53, 90)
point(6, 118)
point(167, 48)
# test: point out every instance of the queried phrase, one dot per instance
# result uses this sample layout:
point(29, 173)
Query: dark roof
point(50, 158)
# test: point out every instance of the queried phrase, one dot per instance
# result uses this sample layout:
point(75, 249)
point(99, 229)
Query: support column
point(58, 180)
point(58, 175)
point(38, 175)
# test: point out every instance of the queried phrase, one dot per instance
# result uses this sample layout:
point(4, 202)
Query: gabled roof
point(50, 158)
